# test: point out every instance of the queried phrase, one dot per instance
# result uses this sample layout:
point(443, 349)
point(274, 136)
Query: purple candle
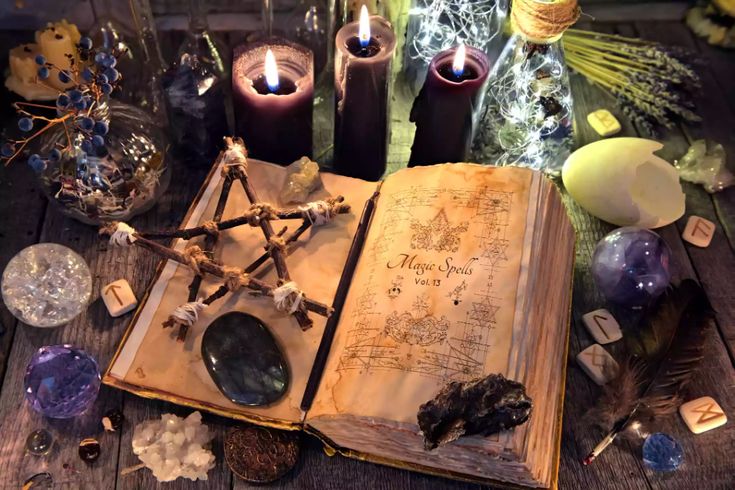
point(361, 79)
point(446, 110)
point(273, 99)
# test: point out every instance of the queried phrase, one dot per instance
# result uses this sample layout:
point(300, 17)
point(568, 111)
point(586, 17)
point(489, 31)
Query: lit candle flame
point(458, 63)
point(271, 71)
point(364, 31)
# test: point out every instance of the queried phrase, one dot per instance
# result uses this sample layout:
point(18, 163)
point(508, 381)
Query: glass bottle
point(196, 88)
point(528, 117)
point(129, 26)
point(115, 181)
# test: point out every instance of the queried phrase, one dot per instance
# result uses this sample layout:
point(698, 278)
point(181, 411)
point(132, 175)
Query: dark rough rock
point(482, 406)
point(244, 360)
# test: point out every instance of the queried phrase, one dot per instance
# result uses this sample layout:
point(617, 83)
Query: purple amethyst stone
point(61, 381)
point(631, 266)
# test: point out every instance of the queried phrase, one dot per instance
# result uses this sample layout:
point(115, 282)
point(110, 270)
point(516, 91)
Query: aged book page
point(151, 362)
point(435, 293)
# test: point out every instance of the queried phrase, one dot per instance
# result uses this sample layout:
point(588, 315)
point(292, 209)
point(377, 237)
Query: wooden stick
point(276, 254)
point(245, 218)
point(219, 293)
point(330, 329)
point(211, 267)
point(209, 243)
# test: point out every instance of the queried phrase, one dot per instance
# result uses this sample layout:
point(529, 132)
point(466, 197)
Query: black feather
point(664, 354)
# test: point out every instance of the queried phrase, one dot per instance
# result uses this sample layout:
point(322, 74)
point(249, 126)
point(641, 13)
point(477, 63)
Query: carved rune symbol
point(598, 359)
point(437, 234)
point(113, 288)
point(708, 412)
point(597, 319)
point(702, 227)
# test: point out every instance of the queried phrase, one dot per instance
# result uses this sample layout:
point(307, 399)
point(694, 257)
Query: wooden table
point(27, 218)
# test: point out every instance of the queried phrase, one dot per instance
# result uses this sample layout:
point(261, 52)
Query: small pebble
point(39, 442)
point(113, 420)
point(89, 450)
point(661, 452)
point(39, 480)
point(603, 122)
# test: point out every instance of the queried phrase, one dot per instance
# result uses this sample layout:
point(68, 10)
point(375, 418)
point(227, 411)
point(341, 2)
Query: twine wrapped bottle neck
point(543, 21)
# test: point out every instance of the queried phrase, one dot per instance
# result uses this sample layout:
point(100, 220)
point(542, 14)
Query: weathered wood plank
point(620, 464)
point(712, 273)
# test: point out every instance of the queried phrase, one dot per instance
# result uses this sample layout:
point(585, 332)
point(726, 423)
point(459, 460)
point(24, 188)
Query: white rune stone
point(174, 447)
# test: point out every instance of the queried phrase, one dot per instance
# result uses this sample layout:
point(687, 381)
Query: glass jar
point(528, 118)
point(115, 181)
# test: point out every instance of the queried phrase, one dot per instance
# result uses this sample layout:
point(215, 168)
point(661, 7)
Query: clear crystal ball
point(46, 285)
point(61, 381)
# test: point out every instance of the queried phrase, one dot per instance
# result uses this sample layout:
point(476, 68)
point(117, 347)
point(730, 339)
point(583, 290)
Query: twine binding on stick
point(235, 157)
point(122, 236)
point(235, 278)
point(188, 313)
point(194, 256)
point(211, 228)
point(318, 212)
point(544, 20)
point(287, 298)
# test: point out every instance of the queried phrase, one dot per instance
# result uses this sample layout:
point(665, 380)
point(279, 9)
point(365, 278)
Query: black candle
point(361, 80)
point(274, 116)
point(446, 110)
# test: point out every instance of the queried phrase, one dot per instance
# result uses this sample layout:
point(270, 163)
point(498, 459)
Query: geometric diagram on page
point(437, 234)
point(380, 339)
point(417, 327)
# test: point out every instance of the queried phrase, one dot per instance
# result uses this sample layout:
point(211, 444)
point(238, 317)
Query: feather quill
point(663, 356)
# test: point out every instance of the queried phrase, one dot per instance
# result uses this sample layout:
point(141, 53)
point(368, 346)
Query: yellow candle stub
point(57, 43)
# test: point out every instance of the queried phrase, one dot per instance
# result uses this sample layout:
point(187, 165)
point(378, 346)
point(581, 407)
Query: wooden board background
point(26, 218)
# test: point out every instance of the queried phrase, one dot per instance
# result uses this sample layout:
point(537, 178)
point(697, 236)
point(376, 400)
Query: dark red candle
point(274, 119)
point(447, 109)
point(361, 81)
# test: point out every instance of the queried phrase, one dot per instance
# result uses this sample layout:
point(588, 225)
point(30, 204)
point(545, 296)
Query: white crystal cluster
point(46, 285)
point(174, 447)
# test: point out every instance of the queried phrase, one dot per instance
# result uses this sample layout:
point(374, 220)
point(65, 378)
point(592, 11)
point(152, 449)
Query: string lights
point(436, 25)
point(528, 117)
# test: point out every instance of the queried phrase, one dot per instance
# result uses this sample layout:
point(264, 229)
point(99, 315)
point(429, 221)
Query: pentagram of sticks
point(286, 295)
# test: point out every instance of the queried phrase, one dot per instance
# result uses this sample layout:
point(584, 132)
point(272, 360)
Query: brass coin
point(261, 455)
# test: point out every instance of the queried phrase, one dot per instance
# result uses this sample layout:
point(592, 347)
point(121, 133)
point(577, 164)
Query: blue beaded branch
point(94, 80)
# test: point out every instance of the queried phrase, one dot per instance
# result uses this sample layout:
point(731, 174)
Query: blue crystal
point(661, 452)
point(61, 381)
point(631, 266)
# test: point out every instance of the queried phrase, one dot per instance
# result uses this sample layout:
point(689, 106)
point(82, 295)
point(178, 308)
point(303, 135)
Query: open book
point(466, 270)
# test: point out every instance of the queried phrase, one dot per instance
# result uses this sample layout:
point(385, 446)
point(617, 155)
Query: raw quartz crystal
point(704, 163)
point(302, 178)
point(174, 447)
point(46, 285)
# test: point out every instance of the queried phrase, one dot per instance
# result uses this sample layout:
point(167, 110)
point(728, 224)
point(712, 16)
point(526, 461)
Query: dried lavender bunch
point(652, 84)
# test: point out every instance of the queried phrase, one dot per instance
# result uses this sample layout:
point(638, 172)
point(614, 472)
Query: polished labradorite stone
point(244, 360)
